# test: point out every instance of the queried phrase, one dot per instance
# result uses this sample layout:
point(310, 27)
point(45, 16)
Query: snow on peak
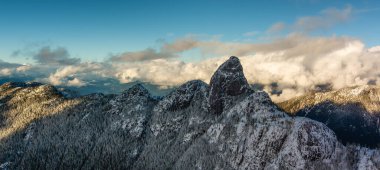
point(356, 91)
point(183, 95)
point(137, 90)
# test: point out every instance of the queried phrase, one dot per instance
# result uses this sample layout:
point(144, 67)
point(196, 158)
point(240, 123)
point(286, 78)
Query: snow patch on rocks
point(214, 132)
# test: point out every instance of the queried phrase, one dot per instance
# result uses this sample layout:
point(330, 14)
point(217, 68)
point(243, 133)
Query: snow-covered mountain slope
point(368, 96)
point(224, 125)
point(353, 113)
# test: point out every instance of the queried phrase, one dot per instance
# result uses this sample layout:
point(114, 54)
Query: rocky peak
point(228, 80)
point(183, 95)
point(137, 90)
point(135, 94)
point(192, 86)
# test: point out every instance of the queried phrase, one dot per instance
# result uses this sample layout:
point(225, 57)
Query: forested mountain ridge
point(224, 125)
point(353, 113)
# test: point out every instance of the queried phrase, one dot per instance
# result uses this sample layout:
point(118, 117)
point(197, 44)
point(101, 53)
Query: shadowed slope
point(353, 113)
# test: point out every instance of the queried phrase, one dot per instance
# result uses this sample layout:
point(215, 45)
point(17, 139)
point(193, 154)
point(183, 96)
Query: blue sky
point(92, 30)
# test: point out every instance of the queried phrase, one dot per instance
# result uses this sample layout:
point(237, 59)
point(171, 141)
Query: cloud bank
point(296, 64)
point(8, 69)
point(285, 67)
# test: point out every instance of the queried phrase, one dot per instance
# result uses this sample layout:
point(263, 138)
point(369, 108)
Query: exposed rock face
point(133, 130)
point(227, 82)
point(177, 121)
point(353, 113)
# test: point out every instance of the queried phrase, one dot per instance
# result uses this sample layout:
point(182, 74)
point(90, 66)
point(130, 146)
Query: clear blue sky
point(92, 29)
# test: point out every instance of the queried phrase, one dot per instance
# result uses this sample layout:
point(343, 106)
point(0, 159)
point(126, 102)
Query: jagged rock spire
point(228, 80)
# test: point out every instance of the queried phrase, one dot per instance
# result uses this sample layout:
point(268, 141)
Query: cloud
point(295, 64)
point(292, 45)
point(166, 72)
point(79, 75)
point(23, 68)
point(76, 82)
point(5, 72)
point(213, 47)
point(326, 19)
point(180, 45)
point(10, 69)
point(58, 56)
point(374, 49)
point(286, 67)
point(144, 55)
point(277, 27)
point(4, 64)
point(167, 50)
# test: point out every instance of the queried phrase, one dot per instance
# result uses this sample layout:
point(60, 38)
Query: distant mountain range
point(353, 113)
point(106, 86)
point(223, 125)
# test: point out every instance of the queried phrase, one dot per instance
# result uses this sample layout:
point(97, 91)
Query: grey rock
point(228, 81)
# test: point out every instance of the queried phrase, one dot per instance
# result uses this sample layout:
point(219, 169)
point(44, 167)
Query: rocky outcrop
point(227, 82)
point(184, 130)
point(178, 120)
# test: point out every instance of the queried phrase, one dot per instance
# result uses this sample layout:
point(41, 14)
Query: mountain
point(223, 125)
point(353, 113)
point(105, 86)
point(111, 86)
